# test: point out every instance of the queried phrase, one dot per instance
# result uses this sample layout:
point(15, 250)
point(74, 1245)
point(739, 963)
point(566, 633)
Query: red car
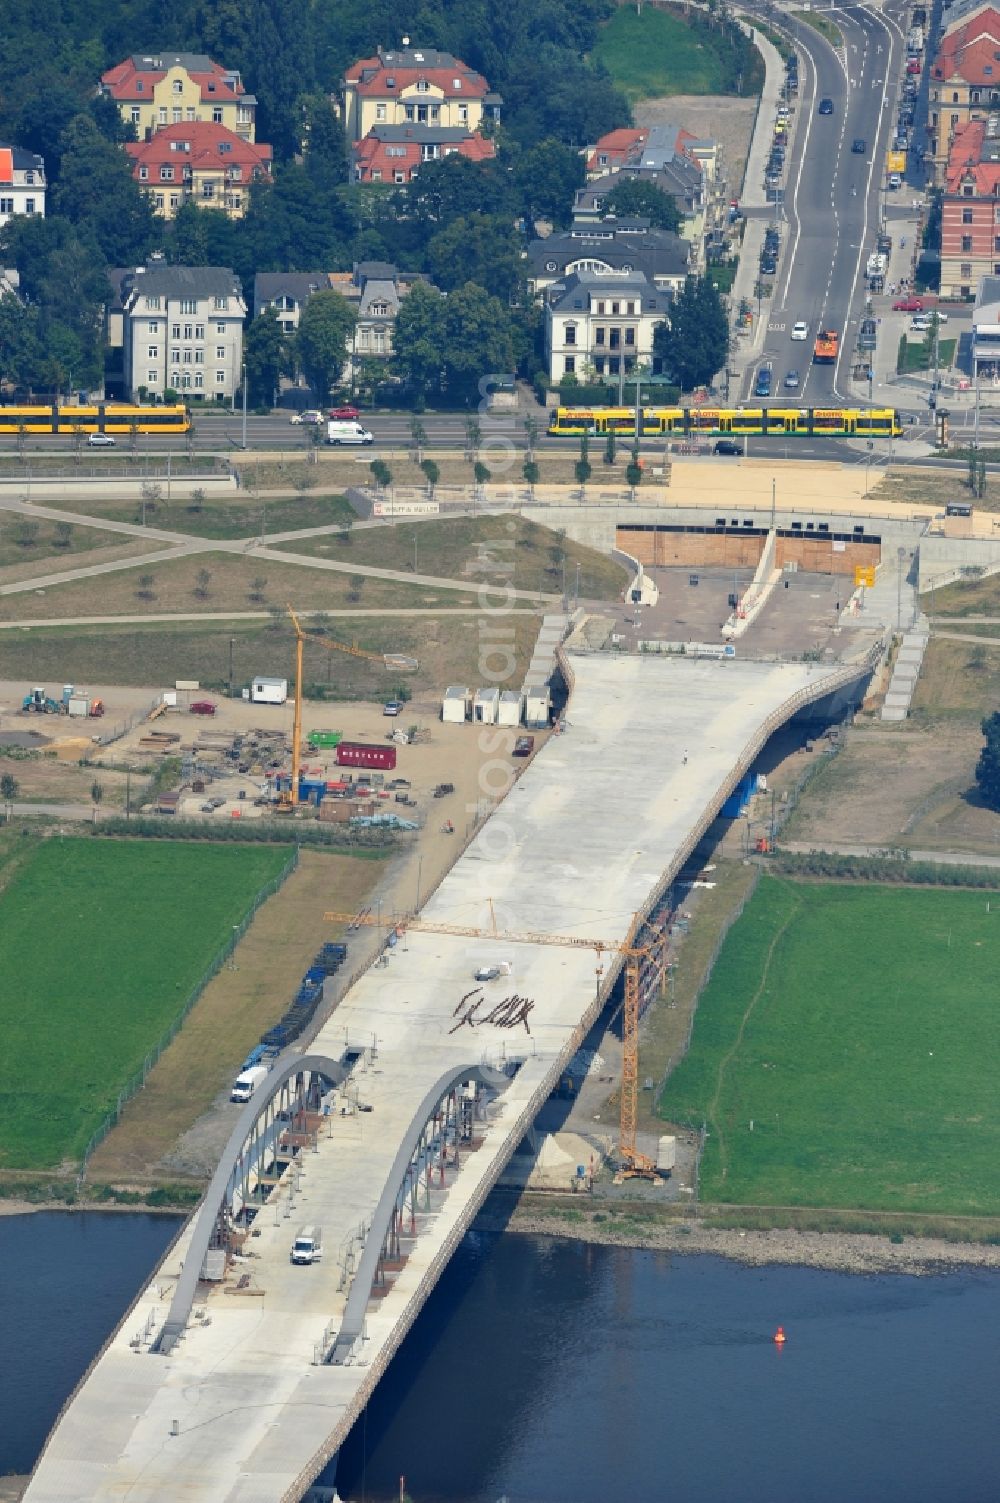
point(908, 305)
point(913, 65)
point(202, 707)
point(346, 414)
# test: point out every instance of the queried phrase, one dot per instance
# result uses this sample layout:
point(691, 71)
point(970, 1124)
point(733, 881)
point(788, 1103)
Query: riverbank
point(636, 1225)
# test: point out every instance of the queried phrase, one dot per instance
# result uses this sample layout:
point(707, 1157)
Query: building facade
point(986, 331)
point(22, 183)
point(680, 177)
point(395, 153)
point(155, 90)
point(964, 82)
point(182, 331)
point(204, 164)
point(287, 292)
point(970, 209)
point(411, 86)
point(602, 325)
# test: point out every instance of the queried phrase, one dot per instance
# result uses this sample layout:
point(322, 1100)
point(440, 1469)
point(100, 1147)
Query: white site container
point(455, 704)
point(666, 1154)
point(486, 706)
point(536, 708)
point(509, 709)
point(269, 691)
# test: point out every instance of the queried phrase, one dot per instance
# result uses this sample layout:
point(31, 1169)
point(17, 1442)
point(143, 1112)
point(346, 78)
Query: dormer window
point(422, 86)
point(456, 84)
point(211, 88)
point(139, 86)
point(390, 83)
point(178, 86)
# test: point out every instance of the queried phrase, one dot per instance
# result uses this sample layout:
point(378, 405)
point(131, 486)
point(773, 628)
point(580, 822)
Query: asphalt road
point(832, 197)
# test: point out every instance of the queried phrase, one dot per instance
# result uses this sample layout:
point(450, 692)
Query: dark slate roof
point(299, 285)
point(24, 161)
point(184, 281)
point(574, 293)
point(392, 135)
point(651, 252)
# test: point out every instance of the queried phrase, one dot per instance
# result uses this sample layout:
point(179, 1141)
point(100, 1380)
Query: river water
point(556, 1372)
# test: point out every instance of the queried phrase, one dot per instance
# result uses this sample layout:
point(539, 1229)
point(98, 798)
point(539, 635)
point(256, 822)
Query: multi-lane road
point(832, 196)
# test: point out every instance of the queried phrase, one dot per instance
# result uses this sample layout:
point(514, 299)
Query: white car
point(100, 440)
point(309, 416)
point(920, 323)
point(800, 331)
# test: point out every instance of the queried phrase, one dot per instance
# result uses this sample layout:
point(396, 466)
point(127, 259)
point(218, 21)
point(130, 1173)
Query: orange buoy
point(779, 1336)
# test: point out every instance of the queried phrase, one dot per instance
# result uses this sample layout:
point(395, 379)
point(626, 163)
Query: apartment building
point(154, 90)
point(22, 183)
point(208, 165)
point(600, 324)
point(182, 331)
point(413, 86)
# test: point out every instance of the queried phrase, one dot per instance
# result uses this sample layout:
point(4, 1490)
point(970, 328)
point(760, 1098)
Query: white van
point(344, 431)
point(247, 1082)
point(308, 1245)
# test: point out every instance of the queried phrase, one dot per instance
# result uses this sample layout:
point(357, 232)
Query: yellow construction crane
point(634, 1163)
point(387, 660)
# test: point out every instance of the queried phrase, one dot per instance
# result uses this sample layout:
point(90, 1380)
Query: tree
point(481, 474)
point(432, 475)
point(346, 523)
point(266, 356)
point(197, 500)
point(480, 248)
point(380, 473)
point(97, 192)
point(610, 447)
point(695, 343)
point(63, 534)
point(418, 339)
point(632, 198)
point(473, 437)
point(547, 177)
point(633, 473)
point(325, 327)
point(582, 470)
point(8, 792)
point(531, 473)
point(257, 587)
point(419, 435)
point(96, 795)
point(202, 581)
point(145, 587)
point(988, 766)
point(26, 533)
point(530, 426)
point(478, 340)
point(357, 584)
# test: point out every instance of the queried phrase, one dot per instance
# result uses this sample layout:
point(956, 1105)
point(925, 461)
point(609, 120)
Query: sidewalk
point(754, 196)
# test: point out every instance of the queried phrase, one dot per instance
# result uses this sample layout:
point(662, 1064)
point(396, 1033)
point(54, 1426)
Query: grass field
point(453, 548)
point(28, 540)
point(913, 355)
point(100, 945)
point(966, 597)
point(240, 515)
point(857, 1028)
point(447, 649)
point(664, 52)
point(236, 582)
point(822, 24)
point(958, 679)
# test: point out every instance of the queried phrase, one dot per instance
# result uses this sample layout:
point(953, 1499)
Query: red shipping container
point(357, 754)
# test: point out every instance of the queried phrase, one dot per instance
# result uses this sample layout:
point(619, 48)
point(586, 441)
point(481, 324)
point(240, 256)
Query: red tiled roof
point(964, 164)
point(964, 52)
point(389, 157)
point(202, 140)
point(624, 147)
point(120, 82)
point(375, 85)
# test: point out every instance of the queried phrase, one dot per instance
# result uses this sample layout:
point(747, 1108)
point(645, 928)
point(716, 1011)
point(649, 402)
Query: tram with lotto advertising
point(737, 422)
point(97, 417)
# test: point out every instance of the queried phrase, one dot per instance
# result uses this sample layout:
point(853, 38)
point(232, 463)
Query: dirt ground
point(179, 1123)
point(726, 120)
point(900, 786)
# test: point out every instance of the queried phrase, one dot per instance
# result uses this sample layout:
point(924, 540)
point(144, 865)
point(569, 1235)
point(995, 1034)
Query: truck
point(308, 1245)
point(347, 431)
point(827, 347)
point(915, 41)
point(877, 265)
point(247, 1082)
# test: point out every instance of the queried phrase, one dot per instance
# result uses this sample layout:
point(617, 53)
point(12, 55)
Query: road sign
point(864, 574)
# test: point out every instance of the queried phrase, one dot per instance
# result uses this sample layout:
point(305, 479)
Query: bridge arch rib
point(393, 1193)
point(277, 1084)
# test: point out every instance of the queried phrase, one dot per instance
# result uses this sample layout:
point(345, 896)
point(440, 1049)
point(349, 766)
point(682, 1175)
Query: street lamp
point(900, 555)
point(244, 369)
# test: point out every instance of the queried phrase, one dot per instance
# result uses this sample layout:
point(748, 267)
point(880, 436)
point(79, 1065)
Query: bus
point(694, 422)
point(100, 417)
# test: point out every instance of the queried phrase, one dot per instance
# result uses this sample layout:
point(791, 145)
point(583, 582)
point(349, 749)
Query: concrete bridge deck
point(603, 817)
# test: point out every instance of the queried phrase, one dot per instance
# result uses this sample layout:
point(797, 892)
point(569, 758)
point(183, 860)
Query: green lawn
point(857, 1028)
point(660, 53)
point(914, 355)
point(101, 942)
point(822, 24)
